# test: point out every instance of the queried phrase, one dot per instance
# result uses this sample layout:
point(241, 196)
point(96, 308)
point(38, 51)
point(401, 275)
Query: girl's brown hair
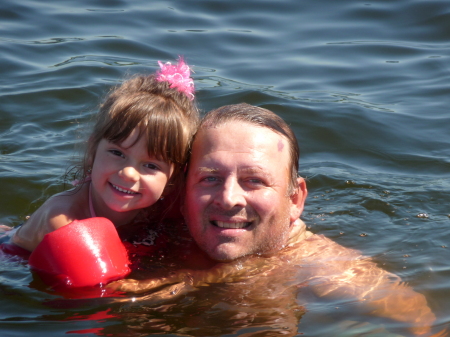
point(166, 117)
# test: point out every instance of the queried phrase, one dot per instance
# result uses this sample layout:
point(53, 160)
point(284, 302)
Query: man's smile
point(236, 200)
point(231, 225)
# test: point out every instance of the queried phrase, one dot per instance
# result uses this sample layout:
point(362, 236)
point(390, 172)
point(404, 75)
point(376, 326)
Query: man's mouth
point(231, 225)
point(120, 189)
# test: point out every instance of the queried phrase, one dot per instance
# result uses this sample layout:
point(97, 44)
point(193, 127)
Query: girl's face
point(125, 178)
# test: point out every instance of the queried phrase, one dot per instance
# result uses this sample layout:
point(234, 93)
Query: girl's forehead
point(132, 139)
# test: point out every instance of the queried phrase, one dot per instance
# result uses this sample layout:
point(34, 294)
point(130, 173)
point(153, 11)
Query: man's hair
point(244, 112)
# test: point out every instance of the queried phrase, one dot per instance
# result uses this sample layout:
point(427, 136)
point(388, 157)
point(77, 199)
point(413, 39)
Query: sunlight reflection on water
point(364, 85)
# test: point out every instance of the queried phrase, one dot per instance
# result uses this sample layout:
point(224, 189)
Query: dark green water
point(364, 84)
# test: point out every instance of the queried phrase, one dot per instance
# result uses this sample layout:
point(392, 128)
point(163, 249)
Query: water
point(364, 84)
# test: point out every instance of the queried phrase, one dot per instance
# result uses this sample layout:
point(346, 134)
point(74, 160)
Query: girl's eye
point(116, 153)
point(152, 166)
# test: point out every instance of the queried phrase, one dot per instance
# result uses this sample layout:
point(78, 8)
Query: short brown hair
point(165, 116)
point(261, 117)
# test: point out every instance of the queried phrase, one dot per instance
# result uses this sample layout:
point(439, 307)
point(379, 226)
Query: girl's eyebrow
point(111, 143)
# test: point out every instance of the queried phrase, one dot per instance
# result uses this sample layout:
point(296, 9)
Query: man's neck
point(298, 233)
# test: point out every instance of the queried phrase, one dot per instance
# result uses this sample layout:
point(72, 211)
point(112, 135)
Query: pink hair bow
point(178, 76)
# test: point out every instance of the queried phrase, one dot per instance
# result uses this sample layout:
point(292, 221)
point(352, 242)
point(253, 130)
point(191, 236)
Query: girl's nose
point(129, 173)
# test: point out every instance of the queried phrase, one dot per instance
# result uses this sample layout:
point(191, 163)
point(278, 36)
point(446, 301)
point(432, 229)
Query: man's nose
point(231, 195)
point(129, 173)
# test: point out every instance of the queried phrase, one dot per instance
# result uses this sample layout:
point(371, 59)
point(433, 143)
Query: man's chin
point(226, 253)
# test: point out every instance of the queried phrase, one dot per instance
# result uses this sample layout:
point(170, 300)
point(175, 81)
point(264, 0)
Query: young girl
point(136, 152)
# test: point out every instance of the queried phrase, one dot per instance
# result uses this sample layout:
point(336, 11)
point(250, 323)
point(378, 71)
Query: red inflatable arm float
point(83, 253)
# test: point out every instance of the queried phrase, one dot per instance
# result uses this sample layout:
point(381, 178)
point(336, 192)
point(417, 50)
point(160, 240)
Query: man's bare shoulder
point(319, 244)
point(305, 244)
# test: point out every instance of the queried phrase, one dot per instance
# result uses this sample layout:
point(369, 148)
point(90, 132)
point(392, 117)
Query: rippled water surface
point(364, 84)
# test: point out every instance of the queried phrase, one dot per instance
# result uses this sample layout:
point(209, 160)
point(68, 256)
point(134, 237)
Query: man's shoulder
point(318, 246)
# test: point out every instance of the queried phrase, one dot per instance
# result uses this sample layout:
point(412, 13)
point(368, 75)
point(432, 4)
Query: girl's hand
point(4, 228)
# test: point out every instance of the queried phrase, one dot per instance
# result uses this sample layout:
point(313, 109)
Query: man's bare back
point(326, 268)
point(243, 199)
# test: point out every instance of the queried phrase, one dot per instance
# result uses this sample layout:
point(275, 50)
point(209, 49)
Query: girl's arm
point(56, 212)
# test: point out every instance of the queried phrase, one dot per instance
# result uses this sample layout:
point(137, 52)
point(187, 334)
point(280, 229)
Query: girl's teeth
point(122, 190)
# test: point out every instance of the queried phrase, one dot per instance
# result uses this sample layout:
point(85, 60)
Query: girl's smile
point(126, 179)
point(123, 190)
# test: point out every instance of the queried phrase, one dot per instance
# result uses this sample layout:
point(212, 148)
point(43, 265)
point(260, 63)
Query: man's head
point(242, 192)
point(246, 113)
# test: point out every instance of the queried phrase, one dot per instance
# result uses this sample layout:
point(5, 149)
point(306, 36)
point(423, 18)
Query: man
point(243, 195)
point(242, 206)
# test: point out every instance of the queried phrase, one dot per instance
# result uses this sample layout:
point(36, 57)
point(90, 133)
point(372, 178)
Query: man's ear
point(298, 199)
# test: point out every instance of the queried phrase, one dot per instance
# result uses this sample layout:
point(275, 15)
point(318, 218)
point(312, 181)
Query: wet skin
point(309, 263)
point(124, 180)
point(237, 200)
point(239, 212)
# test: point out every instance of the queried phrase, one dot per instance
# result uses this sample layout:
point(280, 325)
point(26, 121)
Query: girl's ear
point(298, 199)
point(173, 182)
point(89, 160)
point(168, 189)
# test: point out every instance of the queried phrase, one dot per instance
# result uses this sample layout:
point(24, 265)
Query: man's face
point(237, 201)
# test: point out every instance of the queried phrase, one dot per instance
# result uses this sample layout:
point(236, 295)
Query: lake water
point(364, 84)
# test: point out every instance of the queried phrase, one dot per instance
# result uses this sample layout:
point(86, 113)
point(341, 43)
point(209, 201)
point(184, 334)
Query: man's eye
point(255, 181)
point(210, 179)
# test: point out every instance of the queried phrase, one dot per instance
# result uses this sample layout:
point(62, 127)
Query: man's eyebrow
point(203, 169)
point(253, 170)
point(247, 170)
